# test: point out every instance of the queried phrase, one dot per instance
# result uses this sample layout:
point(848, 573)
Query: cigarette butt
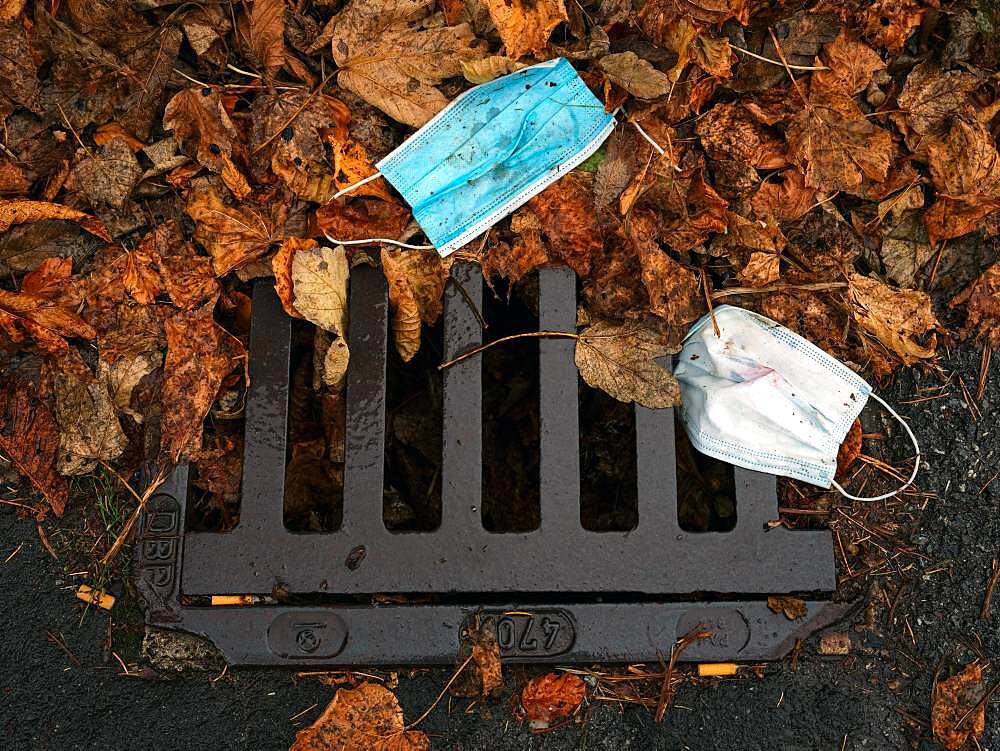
point(232, 599)
point(95, 597)
point(706, 669)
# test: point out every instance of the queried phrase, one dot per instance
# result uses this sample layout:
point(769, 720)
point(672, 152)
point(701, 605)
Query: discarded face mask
point(760, 396)
point(491, 150)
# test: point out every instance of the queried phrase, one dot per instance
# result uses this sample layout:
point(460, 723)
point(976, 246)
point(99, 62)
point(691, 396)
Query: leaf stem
point(526, 335)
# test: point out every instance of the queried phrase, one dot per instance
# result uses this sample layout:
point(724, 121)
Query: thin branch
point(788, 68)
point(440, 696)
point(777, 62)
point(732, 291)
point(526, 335)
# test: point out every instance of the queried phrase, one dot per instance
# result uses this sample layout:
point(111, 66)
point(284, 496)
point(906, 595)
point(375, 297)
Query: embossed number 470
point(507, 634)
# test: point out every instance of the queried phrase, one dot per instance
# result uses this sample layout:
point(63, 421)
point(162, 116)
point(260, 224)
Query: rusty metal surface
point(590, 595)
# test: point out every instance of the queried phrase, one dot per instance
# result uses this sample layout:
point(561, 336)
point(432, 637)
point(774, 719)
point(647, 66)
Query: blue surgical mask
point(493, 148)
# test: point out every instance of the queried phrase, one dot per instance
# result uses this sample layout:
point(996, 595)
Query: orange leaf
point(953, 699)
point(552, 696)
point(525, 25)
point(22, 211)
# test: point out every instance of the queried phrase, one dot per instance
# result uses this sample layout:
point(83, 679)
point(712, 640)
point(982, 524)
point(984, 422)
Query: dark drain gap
point(314, 468)
point(511, 449)
point(608, 475)
point(412, 492)
point(706, 489)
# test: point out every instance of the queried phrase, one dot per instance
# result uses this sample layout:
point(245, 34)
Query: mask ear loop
point(916, 461)
point(370, 240)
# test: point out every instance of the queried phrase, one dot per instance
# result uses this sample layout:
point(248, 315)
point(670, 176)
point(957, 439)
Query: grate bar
point(656, 471)
point(559, 404)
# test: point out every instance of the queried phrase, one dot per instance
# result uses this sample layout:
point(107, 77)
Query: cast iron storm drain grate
point(559, 592)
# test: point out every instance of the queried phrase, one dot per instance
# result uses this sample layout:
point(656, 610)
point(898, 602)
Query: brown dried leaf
point(202, 127)
point(416, 283)
point(622, 361)
point(896, 317)
point(525, 25)
point(488, 68)
point(366, 718)
point(281, 264)
point(792, 607)
point(637, 76)
point(953, 699)
point(11, 9)
point(387, 59)
point(982, 312)
point(852, 64)
point(121, 377)
point(552, 696)
point(931, 98)
point(729, 131)
point(483, 675)
point(88, 425)
point(786, 198)
point(849, 450)
point(220, 466)
point(267, 35)
point(107, 178)
point(760, 270)
point(18, 65)
point(200, 353)
point(29, 437)
point(233, 235)
point(363, 218)
point(658, 17)
point(568, 221)
point(835, 144)
point(22, 211)
point(888, 23)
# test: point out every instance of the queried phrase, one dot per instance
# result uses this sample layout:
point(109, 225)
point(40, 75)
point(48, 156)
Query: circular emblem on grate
point(307, 633)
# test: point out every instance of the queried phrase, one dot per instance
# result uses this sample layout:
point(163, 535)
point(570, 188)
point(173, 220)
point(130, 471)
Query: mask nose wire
point(916, 461)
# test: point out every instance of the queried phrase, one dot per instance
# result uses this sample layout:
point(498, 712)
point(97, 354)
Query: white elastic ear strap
point(916, 461)
point(370, 240)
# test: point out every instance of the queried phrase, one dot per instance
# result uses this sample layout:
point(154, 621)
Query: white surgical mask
point(760, 396)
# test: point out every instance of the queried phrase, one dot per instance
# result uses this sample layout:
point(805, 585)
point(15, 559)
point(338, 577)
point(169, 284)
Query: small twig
point(297, 715)
point(44, 538)
point(817, 286)
point(777, 62)
point(59, 641)
point(468, 300)
point(984, 611)
point(454, 677)
point(526, 335)
point(708, 302)
point(984, 369)
point(127, 528)
point(17, 550)
point(788, 69)
point(698, 633)
point(19, 505)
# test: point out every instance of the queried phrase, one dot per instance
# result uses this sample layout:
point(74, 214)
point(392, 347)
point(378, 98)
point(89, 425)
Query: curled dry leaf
point(483, 675)
point(387, 59)
point(729, 131)
point(956, 712)
point(23, 211)
point(121, 376)
point(416, 281)
point(899, 318)
point(552, 696)
point(488, 68)
point(637, 76)
point(622, 360)
point(888, 23)
point(366, 718)
point(200, 353)
point(982, 312)
point(201, 126)
point(88, 426)
point(849, 450)
point(792, 607)
point(233, 235)
point(281, 264)
point(29, 437)
point(785, 196)
point(525, 25)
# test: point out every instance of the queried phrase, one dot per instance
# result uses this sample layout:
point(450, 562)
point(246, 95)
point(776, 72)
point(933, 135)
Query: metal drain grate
point(557, 592)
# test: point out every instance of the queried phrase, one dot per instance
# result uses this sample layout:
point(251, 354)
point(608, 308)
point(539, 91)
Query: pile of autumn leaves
point(776, 176)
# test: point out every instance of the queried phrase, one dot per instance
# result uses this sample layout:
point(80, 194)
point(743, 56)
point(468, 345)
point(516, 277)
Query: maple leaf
point(931, 97)
point(366, 718)
point(233, 235)
point(888, 23)
point(29, 437)
point(391, 63)
point(621, 360)
point(852, 64)
point(898, 318)
point(108, 176)
point(36, 312)
point(525, 25)
point(835, 145)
